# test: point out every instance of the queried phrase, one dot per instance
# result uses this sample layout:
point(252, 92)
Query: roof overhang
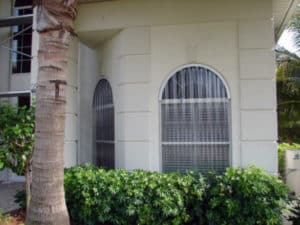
point(283, 10)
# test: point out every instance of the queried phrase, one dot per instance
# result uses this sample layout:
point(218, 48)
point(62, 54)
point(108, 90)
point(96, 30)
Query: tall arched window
point(104, 125)
point(195, 121)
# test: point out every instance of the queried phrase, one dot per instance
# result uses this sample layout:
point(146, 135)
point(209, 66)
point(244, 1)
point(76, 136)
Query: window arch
point(195, 121)
point(104, 125)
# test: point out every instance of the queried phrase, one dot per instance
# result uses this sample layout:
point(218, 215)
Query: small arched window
point(195, 121)
point(104, 125)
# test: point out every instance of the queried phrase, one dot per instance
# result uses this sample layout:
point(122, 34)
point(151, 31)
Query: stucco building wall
point(136, 45)
point(140, 43)
point(88, 77)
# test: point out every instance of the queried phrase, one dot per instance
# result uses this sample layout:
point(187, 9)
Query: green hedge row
point(119, 197)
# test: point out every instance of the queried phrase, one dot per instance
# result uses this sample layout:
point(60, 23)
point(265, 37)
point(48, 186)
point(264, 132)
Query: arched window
point(195, 121)
point(104, 125)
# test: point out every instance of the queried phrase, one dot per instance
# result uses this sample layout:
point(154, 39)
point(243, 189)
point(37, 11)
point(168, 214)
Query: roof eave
point(285, 20)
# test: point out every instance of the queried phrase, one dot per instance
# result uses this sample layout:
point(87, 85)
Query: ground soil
point(17, 217)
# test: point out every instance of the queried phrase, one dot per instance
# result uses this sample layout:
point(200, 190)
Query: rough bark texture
point(55, 26)
point(27, 185)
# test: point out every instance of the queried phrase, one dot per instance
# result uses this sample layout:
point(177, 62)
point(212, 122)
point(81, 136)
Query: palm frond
point(294, 27)
point(283, 55)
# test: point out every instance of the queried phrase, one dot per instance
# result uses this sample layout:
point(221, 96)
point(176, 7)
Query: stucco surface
point(158, 37)
point(136, 45)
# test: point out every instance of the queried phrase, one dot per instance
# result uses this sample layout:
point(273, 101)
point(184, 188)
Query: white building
point(167, 85)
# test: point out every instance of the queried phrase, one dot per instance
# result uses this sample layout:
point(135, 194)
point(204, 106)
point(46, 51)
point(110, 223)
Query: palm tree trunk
point(55, 26)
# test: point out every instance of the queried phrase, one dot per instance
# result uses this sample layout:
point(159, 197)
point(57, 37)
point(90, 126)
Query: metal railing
point(11, 94)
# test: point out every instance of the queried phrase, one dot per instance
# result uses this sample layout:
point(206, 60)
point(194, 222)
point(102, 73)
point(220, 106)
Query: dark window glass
point(27, 40)
point(16, 67)
point(104, 124)
point(26, 50)
point(19, 3)
point(22, 42)
point(24, 101)
point(26, 66)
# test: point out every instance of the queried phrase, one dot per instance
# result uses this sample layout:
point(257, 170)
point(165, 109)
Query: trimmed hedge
point(245, 197)
point(238, 197)
point(139, 197)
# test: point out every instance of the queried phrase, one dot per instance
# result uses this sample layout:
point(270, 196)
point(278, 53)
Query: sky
point(286, 41)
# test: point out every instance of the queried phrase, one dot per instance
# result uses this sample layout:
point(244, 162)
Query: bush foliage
point(16, 137)
point(245, 197)
point(139, 197)
point(238, 197)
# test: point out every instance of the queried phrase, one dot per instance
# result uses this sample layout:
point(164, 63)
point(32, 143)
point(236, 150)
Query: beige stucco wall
point(258, 95)
point(137, 44)
point(88, 77)
point(132, 13)
point(72, 107)
point(232, 37)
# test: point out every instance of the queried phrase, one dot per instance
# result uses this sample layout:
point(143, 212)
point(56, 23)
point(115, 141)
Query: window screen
point(104, 125)
point(195, 122)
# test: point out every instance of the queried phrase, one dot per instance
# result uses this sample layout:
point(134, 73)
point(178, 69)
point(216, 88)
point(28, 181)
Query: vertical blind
point(104, 125)
point(195, 122)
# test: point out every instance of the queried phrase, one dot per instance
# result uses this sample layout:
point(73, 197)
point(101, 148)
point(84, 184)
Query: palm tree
point(54, 23)
point(294, 26)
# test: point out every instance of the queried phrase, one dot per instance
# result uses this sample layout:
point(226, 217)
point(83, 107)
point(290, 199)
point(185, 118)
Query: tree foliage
point(288, 95)
point(294, 26)
point(16, 137)
point(288, 87)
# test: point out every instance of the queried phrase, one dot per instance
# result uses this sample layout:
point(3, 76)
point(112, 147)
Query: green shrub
point(4, 218)
point(282, 147)
point(138, 197)
point(245, 197)
point(119, 197)
point(16, 138)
